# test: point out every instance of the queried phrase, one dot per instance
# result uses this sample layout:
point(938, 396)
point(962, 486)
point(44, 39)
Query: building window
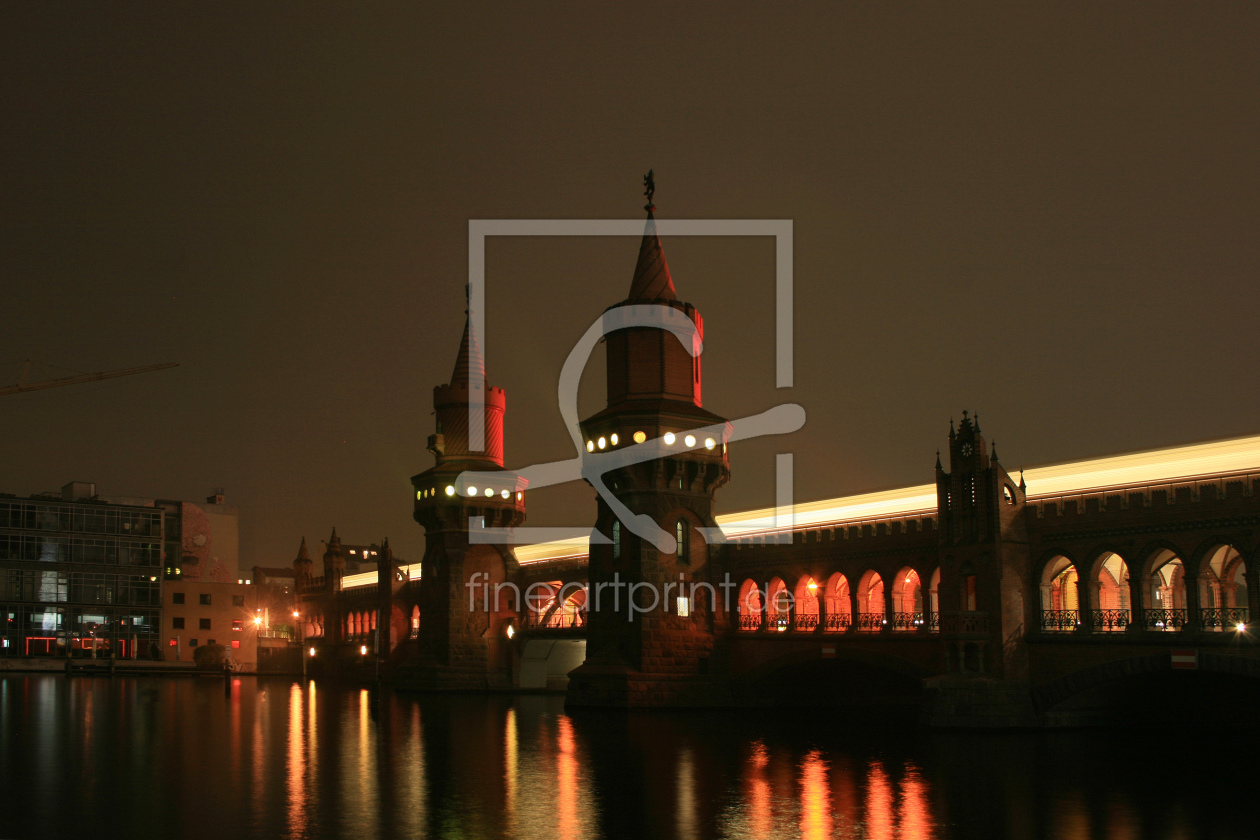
point(682, 551)
point(236, 644)
point(616, 539)
point(204, 599)
point(203, 624)
point(192, 642)
point(177, 597)
point(684, 606)
point(238, 600)
point(238, 624)
point(177, 623)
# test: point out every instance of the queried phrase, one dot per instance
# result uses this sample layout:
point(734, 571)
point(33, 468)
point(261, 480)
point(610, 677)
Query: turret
point(334, 562)
point(303, 566)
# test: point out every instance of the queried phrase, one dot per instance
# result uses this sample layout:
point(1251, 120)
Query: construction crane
point(23, 385)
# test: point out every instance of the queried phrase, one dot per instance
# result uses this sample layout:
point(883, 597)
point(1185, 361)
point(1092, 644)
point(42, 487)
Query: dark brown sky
point(1048, 216)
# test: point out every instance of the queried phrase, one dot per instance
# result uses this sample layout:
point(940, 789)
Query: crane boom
point(80, 378)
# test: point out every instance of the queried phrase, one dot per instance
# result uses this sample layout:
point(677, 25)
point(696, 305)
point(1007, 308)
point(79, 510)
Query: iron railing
point(907, 620)
point(871, 622)
point(1109, 621)
point(778, 622)
point(1164, 620)
point(838, 622)
point(1222, 618)
point(807, 621)
point(965, 624)
point(934, 622)
point(1060, 620)
point(750, 622)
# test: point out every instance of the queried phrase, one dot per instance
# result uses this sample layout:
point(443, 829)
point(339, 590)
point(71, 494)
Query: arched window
point(616, 537)
point(682, 551)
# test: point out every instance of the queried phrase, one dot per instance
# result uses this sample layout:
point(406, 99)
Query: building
point(80, 574)
point(254, 623)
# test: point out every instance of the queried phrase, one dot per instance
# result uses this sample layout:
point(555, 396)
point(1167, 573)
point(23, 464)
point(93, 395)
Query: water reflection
point(279, 758)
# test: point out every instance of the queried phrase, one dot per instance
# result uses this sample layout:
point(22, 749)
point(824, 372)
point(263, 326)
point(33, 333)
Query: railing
point(1109, 621)
point(557, 620)
point(1165, 620)
point(934, 622)
point(807, 621)
point(778, 622)
point(965, 624)
point(838, 623)
point(274, 634)
point(1060, 620)
point(749, 623)
point(907, 620)
point(1222, 618)
point(870, 622)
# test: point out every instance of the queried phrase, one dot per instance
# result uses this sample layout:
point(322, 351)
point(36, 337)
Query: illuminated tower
point(463, 644)
point(657, 652)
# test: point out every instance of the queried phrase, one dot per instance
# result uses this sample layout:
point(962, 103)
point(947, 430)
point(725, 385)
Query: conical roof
point(303, 554)
point(469, 358)
point(651, 274)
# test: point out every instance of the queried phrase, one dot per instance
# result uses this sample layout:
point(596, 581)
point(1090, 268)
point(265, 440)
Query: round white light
point(690, 440)
point(613, 438)
point(1240, 627)
point(602, 443)
point(312, 651)
point(669, 438)
point(450, 491)
point(519, 496)
point(489, 492)
point(363, 650)
point(709, 443)
point(472, 491)
point(590, 446)
point(639, 437)
point(506, 494)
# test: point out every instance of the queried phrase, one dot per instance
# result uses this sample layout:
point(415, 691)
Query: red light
point(236, 643)
point(173, 643)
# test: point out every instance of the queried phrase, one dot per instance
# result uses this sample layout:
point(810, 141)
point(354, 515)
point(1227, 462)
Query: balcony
point(1109, 621)
point(1060, 621)
point(1220, 619)
point(1167, 621)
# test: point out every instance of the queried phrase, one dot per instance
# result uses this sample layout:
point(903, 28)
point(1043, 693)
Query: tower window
point(682, 551)
point(616, 539)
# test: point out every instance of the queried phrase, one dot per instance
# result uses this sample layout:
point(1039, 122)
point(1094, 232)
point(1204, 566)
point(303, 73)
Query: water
point(175, 758)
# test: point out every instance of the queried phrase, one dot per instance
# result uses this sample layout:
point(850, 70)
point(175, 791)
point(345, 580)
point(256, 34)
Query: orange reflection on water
point(879, 804)
point(815, 798)
point(759, 795)
point(296, 777)
point(566, 773)
point(916, 816)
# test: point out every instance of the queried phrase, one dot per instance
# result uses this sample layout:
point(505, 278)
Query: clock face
point(966, 450)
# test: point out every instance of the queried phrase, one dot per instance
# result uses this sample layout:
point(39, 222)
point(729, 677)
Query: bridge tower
point(660, 651)
point(462, 641)
point(984, 557)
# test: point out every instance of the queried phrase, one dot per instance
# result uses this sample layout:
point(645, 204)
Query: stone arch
point(934, 598)
point(779, 604)
point(907, 599)
point(871, 602)
point(1167, 592)
point(750, 606)
point(805, 597)
point(839, 603)
point(1060, 587)
point(415, 621)
point(1221, 576)
point(695, 547)
point(1110, 592)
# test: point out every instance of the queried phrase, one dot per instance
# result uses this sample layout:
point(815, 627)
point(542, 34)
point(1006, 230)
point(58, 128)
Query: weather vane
point(650, 184)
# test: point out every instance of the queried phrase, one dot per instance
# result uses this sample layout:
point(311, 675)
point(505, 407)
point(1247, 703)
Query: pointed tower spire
point(303, 567)
point(995, 457)
point(1023, 488)
point(469, 359)
point(938, 459)
point(652, 280)
point(303, 554)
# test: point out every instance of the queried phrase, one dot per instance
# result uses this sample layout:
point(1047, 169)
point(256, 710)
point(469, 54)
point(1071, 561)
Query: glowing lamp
point(690, 440)
point(1240, 627)
point(506, 494)
point(709, 443)
point(295, 613)
point(511, 631)
point(590, 446)
point(450, 491)
point(613, 438)
point(312, 651)
point(603, 442)
point(811, 586)
point(489, 492)
point(472, 491)
point(363, 650)
point(520, 496)
point(257, 619)
point(639, 437)
point(669, 438)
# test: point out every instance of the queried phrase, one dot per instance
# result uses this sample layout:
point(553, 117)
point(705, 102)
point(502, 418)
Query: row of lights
point(470, 490)
point(639, 437)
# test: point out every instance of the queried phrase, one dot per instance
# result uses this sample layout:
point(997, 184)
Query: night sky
point(1049, 217)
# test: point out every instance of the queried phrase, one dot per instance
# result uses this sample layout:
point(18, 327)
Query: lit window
point(352, 553)
point(709, 443)
point(419, 494)
point(237, 624)
point(590, 446)
point(684, 606)
point(669, 438)
point(639, 437)
point(690, 440)
point(236, 644)
point(616, 539)
point(613, 437)
point(520, 496)
point(602, 443)
point(682, 549)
